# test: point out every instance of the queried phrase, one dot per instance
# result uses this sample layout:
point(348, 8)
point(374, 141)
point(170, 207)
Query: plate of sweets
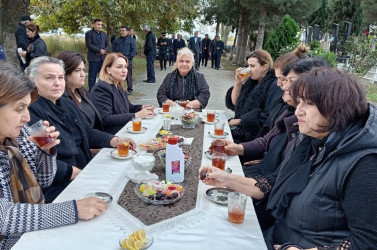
point(159, 142)
point(159, 192)
point(139, 240)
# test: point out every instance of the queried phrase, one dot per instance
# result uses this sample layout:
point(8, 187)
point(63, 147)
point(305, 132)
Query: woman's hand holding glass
point(232, 148)
point(242, 74)
point(49, 147)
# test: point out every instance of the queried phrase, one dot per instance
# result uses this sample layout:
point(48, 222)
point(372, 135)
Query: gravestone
point(316, 32)
point(309, 34)
point(334, 40)
point(347, 31)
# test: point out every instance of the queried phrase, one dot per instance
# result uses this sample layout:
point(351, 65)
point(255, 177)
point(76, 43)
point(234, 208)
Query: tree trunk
point(217, 27)
point(234, 44)
point(225, 36)
point(12, 10)
point(243, 34)
point(262, 24)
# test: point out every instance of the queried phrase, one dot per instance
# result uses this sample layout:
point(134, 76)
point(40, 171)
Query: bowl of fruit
point(189, 120)
point(159, 192)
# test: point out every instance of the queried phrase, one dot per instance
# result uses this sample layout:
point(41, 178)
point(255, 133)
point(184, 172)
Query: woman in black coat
point(109, 96)
point(37, 46)
point(184, 83)
point(252, 97)
point(73, 153)
point(324, 194)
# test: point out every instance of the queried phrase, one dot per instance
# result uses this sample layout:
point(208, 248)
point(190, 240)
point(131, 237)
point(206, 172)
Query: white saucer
point(162, 112)
point(218, 136)
point(114, 153)
point(149, 117)
point(206, 122)
point(131, 130)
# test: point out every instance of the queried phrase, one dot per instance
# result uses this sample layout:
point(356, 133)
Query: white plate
point(205, 121)
point(162, 112)
point(131, 130)
point(114, 153)
point(170, 133)
point(218, 136)
point(209, 155)
point(149, 117)
point(101, 195)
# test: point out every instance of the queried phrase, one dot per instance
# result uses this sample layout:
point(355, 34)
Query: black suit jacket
point(97, 121)
point(67, 149)
point(150, 44)
point(94, 46)
point(113, 105)
point(178, 45)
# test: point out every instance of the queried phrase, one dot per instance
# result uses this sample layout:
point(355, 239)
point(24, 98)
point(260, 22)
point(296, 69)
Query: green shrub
point(329, 56)
point(284, 38)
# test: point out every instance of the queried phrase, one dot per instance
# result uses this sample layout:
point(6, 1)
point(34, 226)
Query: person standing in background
point(97, 44)
point(37, 47)
point(205, 52)
point(126, 45)
point(171, 50)
point(132, 33)
point(178, 44)
point(150, 53)
point(162, 44)
point(217, 51)
point(195, 44)
point(22, 40)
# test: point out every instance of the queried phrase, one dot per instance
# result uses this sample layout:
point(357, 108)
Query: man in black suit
point(162, 43)
point(97, 43)
point(178, 44)
point(195, 44)
point(217, 51)
point(171, 49)
point(150, 53)
point(205, 52)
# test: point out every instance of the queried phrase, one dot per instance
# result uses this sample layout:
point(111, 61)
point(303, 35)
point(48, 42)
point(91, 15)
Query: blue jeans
point(94, 69)
point(150, 68)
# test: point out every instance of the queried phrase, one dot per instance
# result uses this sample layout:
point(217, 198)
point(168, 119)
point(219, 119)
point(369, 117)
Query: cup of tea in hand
point(39, 135)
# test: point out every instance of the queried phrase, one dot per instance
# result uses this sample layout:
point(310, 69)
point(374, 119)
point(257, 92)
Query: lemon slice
point(123, 243)
point(139, 244)
point(136, 235)
point(130, 242)
point(142, 235)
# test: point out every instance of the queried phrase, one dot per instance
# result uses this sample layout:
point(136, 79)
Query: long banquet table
point(205, 227)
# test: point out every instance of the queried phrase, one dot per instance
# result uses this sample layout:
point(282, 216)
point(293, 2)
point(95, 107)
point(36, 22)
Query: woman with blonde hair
point(184, 83)
point(110, 98)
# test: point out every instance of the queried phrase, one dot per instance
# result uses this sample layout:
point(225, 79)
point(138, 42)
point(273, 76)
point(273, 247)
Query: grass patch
point(371, 92)
point(55, 44)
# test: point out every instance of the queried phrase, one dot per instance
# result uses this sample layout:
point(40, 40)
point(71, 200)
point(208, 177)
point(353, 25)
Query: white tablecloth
point(205, 227)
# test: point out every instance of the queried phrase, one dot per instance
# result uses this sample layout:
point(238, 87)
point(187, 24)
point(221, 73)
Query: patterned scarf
point(189, 85)
point(25, 188)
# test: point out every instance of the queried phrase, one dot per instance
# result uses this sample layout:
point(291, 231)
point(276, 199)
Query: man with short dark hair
point(126, 45)
point(195, 44)
point(22, 40)
point(205, 50)
point(97, 44)
point(150, 53)
point(172, 57)
point(217, 51)
point(178, 44)
point(162, 43)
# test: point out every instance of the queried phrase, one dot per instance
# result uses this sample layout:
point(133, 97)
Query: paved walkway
point(219, 82)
